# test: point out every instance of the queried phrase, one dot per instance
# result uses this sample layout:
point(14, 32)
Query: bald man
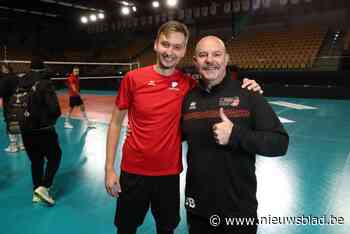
point(225, 127)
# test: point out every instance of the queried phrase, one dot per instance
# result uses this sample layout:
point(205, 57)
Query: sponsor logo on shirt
point(174, 86)
point(229, 101)
point(193, 106)
point(151, 83)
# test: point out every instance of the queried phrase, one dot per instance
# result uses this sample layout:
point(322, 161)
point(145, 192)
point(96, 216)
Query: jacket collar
point(203, 87)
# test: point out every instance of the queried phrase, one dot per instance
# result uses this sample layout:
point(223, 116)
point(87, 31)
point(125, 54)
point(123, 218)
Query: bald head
point(211, 59)
point(210, 41)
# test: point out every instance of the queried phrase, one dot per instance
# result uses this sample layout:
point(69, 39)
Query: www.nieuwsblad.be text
point(303, 220)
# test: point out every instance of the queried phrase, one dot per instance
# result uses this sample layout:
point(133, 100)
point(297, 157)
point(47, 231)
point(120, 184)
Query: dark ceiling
point(68, 10)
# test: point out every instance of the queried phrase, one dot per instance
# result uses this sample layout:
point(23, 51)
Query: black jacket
point(44, 106)
point(8, 83)
point(221, 179)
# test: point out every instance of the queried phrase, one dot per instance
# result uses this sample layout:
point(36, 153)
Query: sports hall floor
point(311, 180)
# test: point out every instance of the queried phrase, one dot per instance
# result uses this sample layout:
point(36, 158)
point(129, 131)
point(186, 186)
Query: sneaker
point(68, 125)
point(43, 193)
point(36, 198)
point(21, 147)
point(12, 148)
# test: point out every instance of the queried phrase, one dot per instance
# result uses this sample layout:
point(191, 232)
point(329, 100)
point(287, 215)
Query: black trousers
point(40, 147)
point(200, 225)
point(139, 193)
point(75, 101)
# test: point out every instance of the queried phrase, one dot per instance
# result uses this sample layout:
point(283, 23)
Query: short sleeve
point(124, 96)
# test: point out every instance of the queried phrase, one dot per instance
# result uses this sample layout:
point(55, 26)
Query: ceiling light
point(171, 3)
point(93, 18)
point(125, 10)
point(155, 4)
point(84, 19)
point(125, 3)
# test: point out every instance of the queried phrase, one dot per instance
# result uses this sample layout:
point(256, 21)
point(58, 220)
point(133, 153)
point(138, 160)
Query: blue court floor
point(311, 181)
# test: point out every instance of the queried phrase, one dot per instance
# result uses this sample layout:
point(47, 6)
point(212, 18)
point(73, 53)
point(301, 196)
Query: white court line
point(284, 120)
point(63, 116)
point(341, 194)
point(293, 105)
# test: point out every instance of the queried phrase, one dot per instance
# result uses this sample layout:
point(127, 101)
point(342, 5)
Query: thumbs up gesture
point(222, 130)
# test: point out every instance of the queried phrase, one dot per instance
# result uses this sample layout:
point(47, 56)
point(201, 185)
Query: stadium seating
point(295, 48)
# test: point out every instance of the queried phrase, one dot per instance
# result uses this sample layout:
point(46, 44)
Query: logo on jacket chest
point(229, 101)
point(193, 106)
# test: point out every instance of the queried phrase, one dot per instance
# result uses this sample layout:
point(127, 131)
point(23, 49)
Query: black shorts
point(160, 193)
point(201, 225)
point(75, 101)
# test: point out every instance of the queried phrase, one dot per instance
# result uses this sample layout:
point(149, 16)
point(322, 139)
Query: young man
point(75, 99)
point(39, 137)
point(151, 161)
point(225, 127)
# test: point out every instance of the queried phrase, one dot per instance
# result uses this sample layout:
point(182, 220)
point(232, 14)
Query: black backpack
point(19, 114)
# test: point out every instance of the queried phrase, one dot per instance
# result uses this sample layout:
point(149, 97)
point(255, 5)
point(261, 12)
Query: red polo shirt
point(154, 106)
point(73, 81)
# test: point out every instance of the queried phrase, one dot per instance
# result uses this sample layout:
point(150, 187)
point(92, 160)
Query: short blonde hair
point(173, 26)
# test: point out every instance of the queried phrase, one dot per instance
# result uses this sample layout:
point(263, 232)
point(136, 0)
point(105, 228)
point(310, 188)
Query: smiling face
point(170, 46)
point(170, 49)
point(211, 59)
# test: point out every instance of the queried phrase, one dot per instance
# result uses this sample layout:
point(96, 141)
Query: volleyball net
point(93, 75)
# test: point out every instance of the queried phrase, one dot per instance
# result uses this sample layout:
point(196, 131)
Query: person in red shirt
point(74, 98)
point(151, 163)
